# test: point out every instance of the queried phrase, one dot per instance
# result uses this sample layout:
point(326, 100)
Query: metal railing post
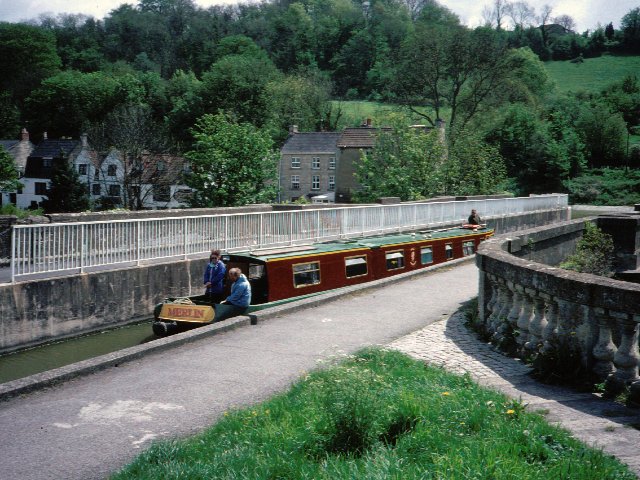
point(184, 238)
point(13, 254)
point(83, 234)
point(138, 240)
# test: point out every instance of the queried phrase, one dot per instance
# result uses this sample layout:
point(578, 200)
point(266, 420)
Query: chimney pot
point(24, 135)
point(368, 122)
point(293, 129)
point(83, 140)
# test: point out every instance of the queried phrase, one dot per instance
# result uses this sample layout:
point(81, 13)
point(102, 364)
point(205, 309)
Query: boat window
point(355, 266)
point(426, 255)
point(256, 271)
point(468, 248)
point(395, 260)
point(306, 274)
point(449, 251)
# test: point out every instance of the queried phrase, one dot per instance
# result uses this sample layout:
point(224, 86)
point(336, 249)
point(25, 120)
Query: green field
point(593, 74)
point(355, 112)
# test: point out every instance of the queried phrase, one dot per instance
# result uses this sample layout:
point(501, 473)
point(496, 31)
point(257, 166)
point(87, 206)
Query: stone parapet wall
point(543, 308)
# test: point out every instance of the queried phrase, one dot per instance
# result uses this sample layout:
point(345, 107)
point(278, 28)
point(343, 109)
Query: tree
point(302, 99)
point(65, 193)
point(630, 28)
point(65, 103)
point(605, 135)
point(473, 167)
point(406, 163)
point(566, 21)
point(232, 163)
point(451, 67)
point(521, 14)
point(609, 32)
point(131, 131)
point(9, 176)
point(237, 83)
point(495, 16)
point(27, 56)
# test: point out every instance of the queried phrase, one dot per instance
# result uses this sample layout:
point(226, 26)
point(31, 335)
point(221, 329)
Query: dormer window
point(82, 169)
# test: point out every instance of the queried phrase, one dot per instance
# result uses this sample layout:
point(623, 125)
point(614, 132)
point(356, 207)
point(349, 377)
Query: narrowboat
point(284, 274)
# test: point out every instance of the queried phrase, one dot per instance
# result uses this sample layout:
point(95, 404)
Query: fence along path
point(83, 246)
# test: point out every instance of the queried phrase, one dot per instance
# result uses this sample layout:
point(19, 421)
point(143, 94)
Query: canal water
point(27, 362)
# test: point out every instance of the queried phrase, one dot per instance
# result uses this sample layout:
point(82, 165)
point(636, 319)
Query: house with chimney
point(308, 165)
point(19, 150)
point(155, 181)
point(39, 167)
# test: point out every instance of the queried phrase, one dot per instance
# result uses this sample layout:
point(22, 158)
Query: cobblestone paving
point(598, 422)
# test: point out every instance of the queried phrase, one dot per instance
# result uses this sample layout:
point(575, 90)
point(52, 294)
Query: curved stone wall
point(524, 295)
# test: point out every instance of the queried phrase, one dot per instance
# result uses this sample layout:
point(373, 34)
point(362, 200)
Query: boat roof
point(376, 241)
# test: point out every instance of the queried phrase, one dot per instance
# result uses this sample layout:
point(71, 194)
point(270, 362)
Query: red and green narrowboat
point(284, 274)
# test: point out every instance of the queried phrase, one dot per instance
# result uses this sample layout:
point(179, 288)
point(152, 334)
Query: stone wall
point(39, 311)
point(525, 299)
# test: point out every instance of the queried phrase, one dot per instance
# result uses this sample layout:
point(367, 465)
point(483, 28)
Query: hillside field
point(593, 74)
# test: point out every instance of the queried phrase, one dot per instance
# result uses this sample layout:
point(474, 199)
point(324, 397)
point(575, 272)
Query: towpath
point(90, 426)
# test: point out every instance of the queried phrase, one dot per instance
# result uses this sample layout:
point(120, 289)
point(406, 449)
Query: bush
point(594, 253)
point(606, 186)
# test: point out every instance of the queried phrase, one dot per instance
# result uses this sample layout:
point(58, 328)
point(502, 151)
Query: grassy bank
point(593, 74)
point(379, 415)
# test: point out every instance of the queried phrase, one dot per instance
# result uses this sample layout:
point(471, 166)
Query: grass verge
point(379, 415)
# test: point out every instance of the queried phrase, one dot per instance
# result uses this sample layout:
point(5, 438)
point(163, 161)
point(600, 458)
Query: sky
point(586, 13)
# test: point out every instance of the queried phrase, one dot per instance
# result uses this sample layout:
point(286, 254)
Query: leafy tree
point(406, 163)
point(65, 193)
point(9, 116)
point(299, 99)
point(9, 176)
point(594, 253)
point(27, 56)
point(474, 167)
point(630, 28)
point(606, 186)
point(604, 133)
point(452, 67)
point(232, 163)
point(609, 32)
point(237, 83)
point(68, 101)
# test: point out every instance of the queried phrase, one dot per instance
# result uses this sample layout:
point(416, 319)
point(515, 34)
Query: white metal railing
point(69, 247)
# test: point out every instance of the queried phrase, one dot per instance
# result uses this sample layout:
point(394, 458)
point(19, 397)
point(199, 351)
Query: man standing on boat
point(474, 218)
point(214, 277)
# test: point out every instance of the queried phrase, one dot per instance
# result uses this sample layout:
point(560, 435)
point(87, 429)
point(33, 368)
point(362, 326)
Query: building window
point(41, 188)
point(468, 248)
point(332, 163)
point(395, 260)
point(315, 182)
point(448, 248)
point(295, 162)
point(332, 182)
point(355, 266)
point(161, 167)
point(95, 189)
point(295, 182)
point(426, 255)
point(111, 170)
point(315, 163)
point(46, 162)
point(114, 190)
point(305, 274)
point(82, 169)
point(161, 193)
